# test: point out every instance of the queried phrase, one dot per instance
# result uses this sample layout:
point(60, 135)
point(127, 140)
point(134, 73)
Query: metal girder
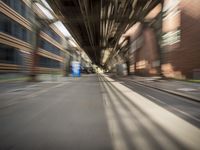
point(98, 24)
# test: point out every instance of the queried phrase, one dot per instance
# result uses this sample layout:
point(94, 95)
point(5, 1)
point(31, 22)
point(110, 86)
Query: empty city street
point(89, 113)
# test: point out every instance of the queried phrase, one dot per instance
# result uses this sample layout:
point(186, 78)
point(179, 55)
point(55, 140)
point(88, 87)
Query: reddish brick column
point(183, 57)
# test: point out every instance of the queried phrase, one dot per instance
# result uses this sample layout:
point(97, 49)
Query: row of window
point(9, 55)
point(13, 28)
point(48, 63)
point(52, 34)
point(20, 7)
point(49, 47)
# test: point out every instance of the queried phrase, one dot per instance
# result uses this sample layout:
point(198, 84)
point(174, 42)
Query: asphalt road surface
point(54, 116)
point(87, 113)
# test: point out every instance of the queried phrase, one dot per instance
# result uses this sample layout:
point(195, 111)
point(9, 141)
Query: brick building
point(181, 53)
point(171, 46)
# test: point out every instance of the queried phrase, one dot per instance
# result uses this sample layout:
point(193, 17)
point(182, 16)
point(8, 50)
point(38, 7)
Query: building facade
point(17, 39)
point(181, 40)
point(170, 47)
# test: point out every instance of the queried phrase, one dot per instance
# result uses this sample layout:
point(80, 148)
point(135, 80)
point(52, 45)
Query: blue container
point(76, 69)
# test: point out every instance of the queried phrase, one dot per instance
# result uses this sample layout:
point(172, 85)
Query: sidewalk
point(4, 78)
point(136, 122)
point(180, 88)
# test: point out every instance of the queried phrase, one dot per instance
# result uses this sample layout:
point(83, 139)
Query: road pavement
point(54, 116)
point(88, 113)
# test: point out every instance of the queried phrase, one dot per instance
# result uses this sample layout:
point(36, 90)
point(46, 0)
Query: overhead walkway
point(93, 112)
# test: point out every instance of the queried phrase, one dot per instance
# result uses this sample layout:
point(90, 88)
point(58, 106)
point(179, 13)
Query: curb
point(13, 80)
point(169, 91)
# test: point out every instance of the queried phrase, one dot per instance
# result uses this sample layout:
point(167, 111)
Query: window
point(6, 2)
point(49, 63)
point(52, 34)
point(7, 27)
point(13, 28)
point(20, 7)
point(171, 37)
point(7, 54)
point(23, 10)
point(24, 35)
point(49, 47)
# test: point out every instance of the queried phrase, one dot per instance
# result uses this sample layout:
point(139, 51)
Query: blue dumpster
point(76, 69)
